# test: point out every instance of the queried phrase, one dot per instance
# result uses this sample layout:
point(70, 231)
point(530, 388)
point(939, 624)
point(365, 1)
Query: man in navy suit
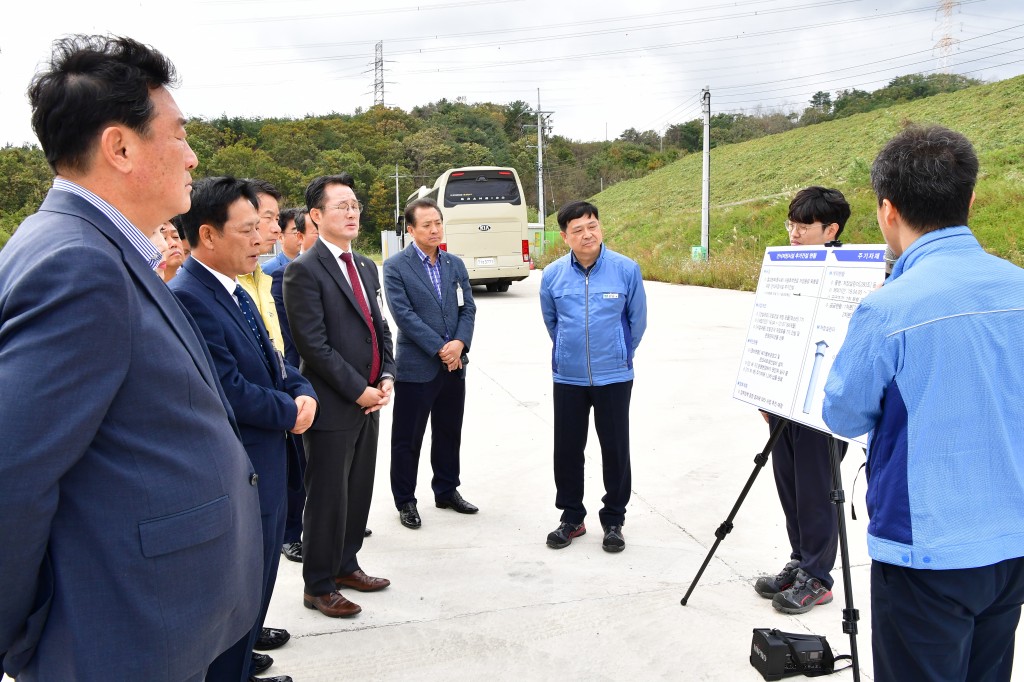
point(431, 301)
point(271, 400)
point(129, 513)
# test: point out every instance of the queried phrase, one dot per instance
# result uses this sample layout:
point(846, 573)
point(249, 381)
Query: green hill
point(656, 219)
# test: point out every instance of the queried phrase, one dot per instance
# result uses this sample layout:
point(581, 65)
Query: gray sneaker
point(805, 593)
point(770, 585)
point(562, 536)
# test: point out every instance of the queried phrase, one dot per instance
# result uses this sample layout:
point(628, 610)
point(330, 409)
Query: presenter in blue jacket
point(931, 369)
point(595, 311)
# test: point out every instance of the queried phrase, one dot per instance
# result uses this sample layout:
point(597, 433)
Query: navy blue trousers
point(803, 477)
point(442, 400)
point(572, 422)
point(233, 664)
point(945, 626)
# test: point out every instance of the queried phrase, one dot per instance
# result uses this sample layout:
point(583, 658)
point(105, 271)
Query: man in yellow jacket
point(257, 284)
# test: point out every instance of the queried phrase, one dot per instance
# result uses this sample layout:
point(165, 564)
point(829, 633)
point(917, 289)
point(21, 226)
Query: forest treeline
point(422, 143)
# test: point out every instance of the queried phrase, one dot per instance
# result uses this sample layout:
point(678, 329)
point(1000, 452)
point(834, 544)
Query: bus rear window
point(481, 188)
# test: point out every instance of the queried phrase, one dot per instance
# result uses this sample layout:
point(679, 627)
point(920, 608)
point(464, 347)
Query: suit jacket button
point(254, 479)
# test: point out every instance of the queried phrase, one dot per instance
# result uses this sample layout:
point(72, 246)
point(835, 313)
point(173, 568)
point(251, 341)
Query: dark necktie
point(357, 289)
point(246, 305)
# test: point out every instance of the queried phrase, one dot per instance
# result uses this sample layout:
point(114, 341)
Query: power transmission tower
point(378, 74)
point(946, 41)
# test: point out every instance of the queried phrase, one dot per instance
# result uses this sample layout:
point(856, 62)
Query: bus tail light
point(526, 250)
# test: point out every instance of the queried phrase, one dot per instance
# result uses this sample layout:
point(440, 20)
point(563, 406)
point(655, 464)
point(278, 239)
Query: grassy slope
point(656, 219)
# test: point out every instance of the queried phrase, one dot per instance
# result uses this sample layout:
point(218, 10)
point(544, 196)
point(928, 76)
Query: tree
point(822, 101)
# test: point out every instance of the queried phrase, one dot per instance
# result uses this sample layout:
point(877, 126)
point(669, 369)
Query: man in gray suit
point(431, 302)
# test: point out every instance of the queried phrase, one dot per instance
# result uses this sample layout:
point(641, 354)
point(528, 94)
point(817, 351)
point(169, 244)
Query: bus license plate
point(486, 261)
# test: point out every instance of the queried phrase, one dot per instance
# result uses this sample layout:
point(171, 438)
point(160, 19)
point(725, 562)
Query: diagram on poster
point(805, 297)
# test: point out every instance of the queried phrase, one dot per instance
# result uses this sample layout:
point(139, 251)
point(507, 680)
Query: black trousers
point(945, 626)
point(339, 487)
point(443, 401)
point(296, 498)
point(572, 421)
point(803, 477)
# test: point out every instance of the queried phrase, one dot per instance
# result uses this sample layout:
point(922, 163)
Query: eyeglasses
point(356, 206)
point(797, 228)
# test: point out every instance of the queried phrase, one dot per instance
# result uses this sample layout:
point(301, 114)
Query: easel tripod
point(850, 614)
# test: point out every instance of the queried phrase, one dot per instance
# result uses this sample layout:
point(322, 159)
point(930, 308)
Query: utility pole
point(398, 204)
point(541, 120)
point(378, 74)
point(540, 163)
point(398, 207)
point(705, 194)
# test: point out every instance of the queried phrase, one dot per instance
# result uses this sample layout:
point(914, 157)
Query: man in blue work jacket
point(931, 368)
point(595, 311)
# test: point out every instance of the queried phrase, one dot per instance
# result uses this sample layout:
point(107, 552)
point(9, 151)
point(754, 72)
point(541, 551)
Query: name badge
point(611, 295)
point(459, 296)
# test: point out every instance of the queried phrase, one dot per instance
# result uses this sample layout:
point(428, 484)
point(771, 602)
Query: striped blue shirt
point(141, 242)
point(433, 269)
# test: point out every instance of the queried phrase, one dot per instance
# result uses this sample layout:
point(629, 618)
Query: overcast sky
point(601, 66)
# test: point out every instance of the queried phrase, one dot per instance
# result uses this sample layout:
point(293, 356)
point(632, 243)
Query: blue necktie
point(245, 303)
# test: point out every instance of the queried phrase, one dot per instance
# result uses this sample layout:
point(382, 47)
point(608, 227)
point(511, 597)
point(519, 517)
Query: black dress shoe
point(260, 662)
point(279, 678)
point(367, 532)
point(271, 638)
point(292, 551)
point(457, 503)
point(409, 516)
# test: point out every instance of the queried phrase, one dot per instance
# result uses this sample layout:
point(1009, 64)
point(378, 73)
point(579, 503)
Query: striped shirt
point(433, 269)
point(141, 242)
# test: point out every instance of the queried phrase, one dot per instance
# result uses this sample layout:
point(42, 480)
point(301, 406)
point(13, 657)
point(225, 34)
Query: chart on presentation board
point(805, 297)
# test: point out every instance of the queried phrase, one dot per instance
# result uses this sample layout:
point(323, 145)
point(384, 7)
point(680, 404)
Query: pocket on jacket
point(188, 528)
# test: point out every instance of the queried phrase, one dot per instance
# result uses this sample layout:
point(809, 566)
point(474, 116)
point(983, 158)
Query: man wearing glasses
point(800, 458)
point(331, 296)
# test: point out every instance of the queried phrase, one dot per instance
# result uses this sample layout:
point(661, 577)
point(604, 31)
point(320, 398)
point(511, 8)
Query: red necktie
point(357, 289)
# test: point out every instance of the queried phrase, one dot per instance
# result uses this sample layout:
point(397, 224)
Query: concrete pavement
point(476, 597)
point(483, 597)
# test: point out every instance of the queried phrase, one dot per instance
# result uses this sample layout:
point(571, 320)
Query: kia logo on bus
point(483, 228)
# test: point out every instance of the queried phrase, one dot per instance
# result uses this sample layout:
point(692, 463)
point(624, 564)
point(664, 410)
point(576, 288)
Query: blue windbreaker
point(595, 320)
point(932, 367)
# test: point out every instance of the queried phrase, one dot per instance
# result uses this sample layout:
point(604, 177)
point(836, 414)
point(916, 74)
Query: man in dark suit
point(331, 295)
point(431, 301)
point(271, 400)
point(129, 514)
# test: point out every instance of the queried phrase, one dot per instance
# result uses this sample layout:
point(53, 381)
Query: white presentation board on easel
point(805, 297)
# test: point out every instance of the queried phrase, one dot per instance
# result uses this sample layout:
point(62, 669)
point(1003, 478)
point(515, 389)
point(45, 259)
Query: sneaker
point(613, 540)
point(770, 585)
point(805, 593)
point(563, 535)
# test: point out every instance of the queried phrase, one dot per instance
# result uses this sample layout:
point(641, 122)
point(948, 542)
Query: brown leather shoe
point(358, 580)
point(332, 604)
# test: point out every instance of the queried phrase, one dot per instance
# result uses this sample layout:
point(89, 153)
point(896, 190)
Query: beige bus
point(484, 223)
